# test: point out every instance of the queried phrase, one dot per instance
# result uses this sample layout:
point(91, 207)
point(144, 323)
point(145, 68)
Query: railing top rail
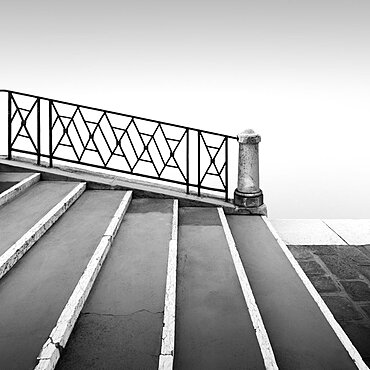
point(117, 113)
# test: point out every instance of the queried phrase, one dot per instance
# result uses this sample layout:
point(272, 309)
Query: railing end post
point(9, 125)
point(248, 196)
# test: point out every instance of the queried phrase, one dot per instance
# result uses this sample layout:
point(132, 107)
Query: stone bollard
point(248, 196)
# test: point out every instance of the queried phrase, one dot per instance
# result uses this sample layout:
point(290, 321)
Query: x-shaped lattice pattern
point(23, 114)
point(128, 142)
point(149, 142)
point(219, 169)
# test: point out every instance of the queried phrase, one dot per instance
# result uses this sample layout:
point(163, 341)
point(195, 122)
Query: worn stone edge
point(340, 333)
point(58, 338)
point(255, 315)
point(14, 253)
point(166, 356)
point(18, 188)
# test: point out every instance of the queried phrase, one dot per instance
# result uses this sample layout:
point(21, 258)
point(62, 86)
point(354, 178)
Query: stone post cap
point(248, 136)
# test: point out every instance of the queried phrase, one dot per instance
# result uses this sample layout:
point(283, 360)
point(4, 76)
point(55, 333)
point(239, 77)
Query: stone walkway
point(335, 255)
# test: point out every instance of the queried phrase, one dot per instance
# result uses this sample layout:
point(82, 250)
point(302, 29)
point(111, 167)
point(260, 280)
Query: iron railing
point(63, 131)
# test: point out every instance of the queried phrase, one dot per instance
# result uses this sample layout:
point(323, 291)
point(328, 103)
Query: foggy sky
point(298, 72)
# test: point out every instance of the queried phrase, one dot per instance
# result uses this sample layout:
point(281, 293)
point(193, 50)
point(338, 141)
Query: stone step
point(124, 311)
point(13, 184)
point(301, 329)
point(213, 326)
point(24, 220)
point(34, 293)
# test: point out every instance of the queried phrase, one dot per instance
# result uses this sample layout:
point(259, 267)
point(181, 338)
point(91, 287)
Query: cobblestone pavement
point(341, 274)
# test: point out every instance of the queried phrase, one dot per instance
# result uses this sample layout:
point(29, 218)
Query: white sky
point(297, 72)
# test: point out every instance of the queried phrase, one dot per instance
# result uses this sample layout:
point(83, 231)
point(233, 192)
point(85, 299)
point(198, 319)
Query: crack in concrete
point(123, 315)
point(57, 345)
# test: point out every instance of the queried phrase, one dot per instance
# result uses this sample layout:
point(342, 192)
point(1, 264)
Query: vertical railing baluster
point(50, 134)
point(226, 170)
point(199, 163)
point(9, 125)
point(38, 133)
point(187, 162)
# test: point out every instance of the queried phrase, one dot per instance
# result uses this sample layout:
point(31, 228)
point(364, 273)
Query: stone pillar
point(248, 195)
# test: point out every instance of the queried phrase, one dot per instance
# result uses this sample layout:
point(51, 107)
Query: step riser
point(18, 249)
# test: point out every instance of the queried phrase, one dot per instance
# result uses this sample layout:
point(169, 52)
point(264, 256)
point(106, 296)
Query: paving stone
point(365, 270)
point(300, 252)
point(357, 290)
point(366, 308)
point(365, 249)
point(346, 262)
point(306, 232)
point(356, 232)
point(324, 284)
point(359, 334)
point(340, 267)
point(324, 249)
point(342, 308)
point(311, 268)
point(353, 255)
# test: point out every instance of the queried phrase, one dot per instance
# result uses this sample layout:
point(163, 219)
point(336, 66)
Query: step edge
point(19, 188)
point(254, 312)
point(17, 250)
point(339, 332)
point(166, 357)
point(50, 352)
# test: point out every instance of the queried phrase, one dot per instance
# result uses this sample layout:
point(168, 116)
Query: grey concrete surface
point(5, 185)
point(120, 326)
point(300, 335)
point(35, 291)
point(8, 179)
point(213, 327)
point(23, 212)
point(13, 176)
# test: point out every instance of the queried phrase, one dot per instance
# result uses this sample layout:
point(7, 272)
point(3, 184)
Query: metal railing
point(75, 133)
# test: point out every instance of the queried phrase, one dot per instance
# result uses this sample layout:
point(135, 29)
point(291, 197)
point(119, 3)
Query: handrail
point(197, 158)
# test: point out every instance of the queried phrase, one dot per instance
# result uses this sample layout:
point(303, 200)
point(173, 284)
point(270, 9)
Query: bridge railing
point(196, 160)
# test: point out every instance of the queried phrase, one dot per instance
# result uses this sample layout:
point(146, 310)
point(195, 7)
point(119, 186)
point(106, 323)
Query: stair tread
point(23, 212)
point(125, 307)
point(14, 176)
point(299, 333)
point(213, 326)
point(35, 291)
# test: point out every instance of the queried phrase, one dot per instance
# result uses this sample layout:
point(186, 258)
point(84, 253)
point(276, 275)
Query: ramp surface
point(35, 291)
point(120, 326)
point(213, 326)
point(299, 333)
